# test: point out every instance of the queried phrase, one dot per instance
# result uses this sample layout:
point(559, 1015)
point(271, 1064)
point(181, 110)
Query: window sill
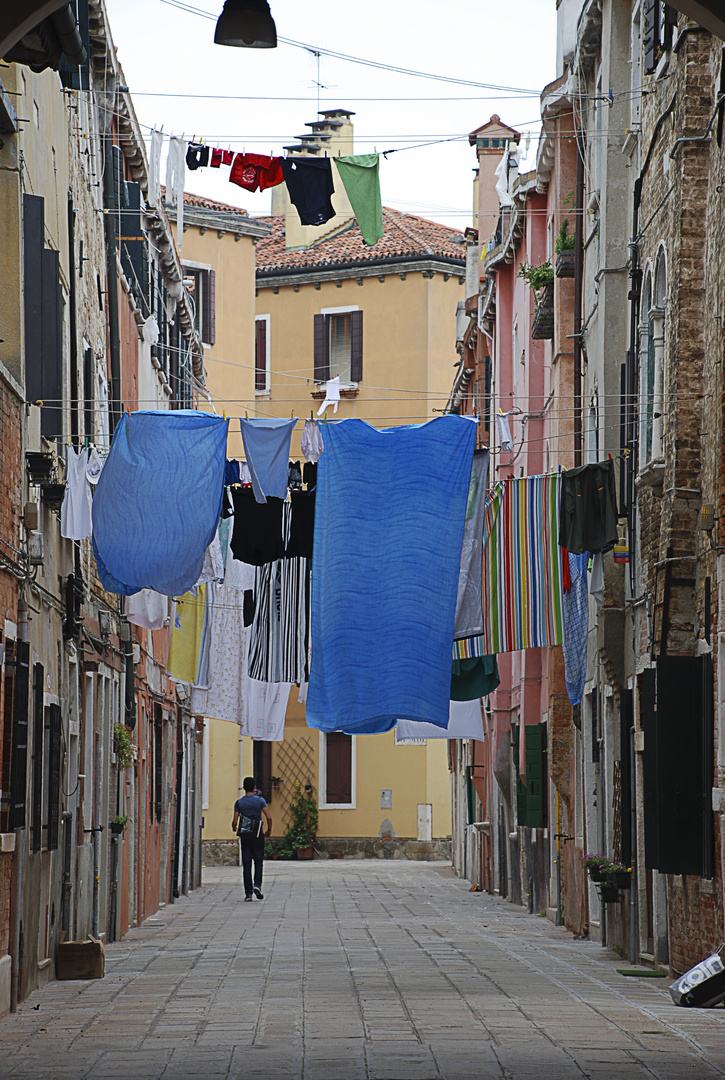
point(337, 806)
point(262, 393)
point(652, 474)
point(347, 390)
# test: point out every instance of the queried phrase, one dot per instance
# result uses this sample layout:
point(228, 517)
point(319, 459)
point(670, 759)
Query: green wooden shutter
point(536, 776)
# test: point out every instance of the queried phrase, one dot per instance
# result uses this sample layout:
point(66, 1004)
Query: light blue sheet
point(158, 501)
point(389, 523)
point(266, 445)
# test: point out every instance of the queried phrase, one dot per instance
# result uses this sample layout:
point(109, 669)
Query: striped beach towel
point(522, 594)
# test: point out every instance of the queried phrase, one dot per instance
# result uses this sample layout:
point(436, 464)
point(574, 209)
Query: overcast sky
point(165, 50)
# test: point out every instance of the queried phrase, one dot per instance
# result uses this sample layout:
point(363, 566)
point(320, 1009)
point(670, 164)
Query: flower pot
point(609, 894)
point(565, 263)
point(304, 852)
point(595, 874)
point(620, 879)
point(542, 327)
point(117, 827)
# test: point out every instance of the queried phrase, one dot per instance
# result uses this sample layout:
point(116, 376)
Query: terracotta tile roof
point(208, 204)
point(405, 236)
point(211, 204)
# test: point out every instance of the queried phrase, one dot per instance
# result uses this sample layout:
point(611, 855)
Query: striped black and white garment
point(278, 634)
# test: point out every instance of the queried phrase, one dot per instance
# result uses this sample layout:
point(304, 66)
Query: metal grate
point(295, 760)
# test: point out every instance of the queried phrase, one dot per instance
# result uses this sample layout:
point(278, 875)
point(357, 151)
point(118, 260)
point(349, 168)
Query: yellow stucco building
point(383, 318)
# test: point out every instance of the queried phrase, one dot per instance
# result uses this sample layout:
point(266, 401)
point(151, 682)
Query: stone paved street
point(357, 969)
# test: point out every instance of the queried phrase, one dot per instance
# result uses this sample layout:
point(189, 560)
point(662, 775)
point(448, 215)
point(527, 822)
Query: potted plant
point(564, 248)
point(302, 830)
point(618, 874)
point(122, 746)
point(594, 863)
point(118, 825)
point(541, 280)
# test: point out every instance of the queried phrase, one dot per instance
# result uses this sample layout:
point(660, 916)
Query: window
point(43, 317)
point(635, 75)
point(659, 22)
point(36, 822)
point(338, 345)
point(155, 763)
point(337, 771)
point(652, 362)
point(262, 373)
point(200, 282)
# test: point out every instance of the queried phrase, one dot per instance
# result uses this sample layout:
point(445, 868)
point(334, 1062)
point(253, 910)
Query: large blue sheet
point(158, 501)
point(389, 524)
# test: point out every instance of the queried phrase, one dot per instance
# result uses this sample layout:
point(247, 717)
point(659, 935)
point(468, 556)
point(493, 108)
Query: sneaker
point(258, 893)
point(248, 899)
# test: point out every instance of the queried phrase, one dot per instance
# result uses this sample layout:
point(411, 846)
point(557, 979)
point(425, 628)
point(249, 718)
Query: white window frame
point(345, 384)
point(267, 320)
point(322, 782)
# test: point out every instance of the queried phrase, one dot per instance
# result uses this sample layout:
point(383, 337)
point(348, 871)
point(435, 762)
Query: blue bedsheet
point(387, 550)
point(158, 501)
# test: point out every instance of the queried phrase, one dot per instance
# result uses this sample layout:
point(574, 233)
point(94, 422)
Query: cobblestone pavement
point(354, 970)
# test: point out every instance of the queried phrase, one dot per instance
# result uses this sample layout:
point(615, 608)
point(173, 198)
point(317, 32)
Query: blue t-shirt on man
point(250, 806)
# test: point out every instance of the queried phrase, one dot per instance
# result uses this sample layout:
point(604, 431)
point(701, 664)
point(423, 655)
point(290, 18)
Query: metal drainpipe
point(558, 859)
point(578, 282)
point(19, 852)
point(96, 836)
point(633, 848)
point(112, 281)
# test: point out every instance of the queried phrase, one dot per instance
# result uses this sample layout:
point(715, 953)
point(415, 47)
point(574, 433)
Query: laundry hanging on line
point(148, 609)
point(267, 445)
point(190, 640)
point(474, 678)
point(256, 172)
point(589, 508)
point(465, 721)
point(469, 601)
point(522, 591)
point(575, 610)
point(175, 181)
point(310, 186)
point(158, 501)
point(385, 572)
point(360, 175)
point(76, 510)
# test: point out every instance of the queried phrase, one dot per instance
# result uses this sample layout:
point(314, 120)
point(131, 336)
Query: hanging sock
point(197, 156)
point(360, 176)
point(256, 172)
point(332, 395)
point(154, 189)
point(175, 178)
point(311, 443)
point(310, 187)
point(266, 446)
point(75, 513)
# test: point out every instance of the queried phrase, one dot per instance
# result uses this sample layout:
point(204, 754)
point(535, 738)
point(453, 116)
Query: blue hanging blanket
point(158, 501)
point(576, 626)
point(389, 519)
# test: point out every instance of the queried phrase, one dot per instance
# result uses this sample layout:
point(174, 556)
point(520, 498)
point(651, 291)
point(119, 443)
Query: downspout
point(112, 280)
point(578, 287)
point(19, 849)
point(73, 339)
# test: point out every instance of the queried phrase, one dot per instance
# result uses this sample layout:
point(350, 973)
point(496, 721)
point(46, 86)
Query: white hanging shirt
point(75, 513)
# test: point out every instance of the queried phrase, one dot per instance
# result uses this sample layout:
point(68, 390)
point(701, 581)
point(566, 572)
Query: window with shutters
point(262, 373)
point(38, 746)
point(158, 759)
point(338, 346)
point(43, 318)
point(660, 21)
point(200, 282)
point(16, 704)
point(337, 771)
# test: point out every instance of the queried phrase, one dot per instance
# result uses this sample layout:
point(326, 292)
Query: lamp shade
point(246, 24)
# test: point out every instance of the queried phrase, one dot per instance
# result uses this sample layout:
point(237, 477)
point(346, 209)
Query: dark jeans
point(252, 850)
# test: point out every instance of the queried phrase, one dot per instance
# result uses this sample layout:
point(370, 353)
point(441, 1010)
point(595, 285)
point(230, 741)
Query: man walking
point(247, 824)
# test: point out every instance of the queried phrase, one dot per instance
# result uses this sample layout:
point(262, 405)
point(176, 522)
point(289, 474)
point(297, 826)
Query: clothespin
point(311, 416)
point(69, 440)
point(246, 415)
point(224, 413)
point(291, 414)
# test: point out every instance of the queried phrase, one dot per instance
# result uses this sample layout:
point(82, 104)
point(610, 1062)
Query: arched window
point(646, 374)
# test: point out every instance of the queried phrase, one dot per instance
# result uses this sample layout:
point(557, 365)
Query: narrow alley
point(357, 969)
